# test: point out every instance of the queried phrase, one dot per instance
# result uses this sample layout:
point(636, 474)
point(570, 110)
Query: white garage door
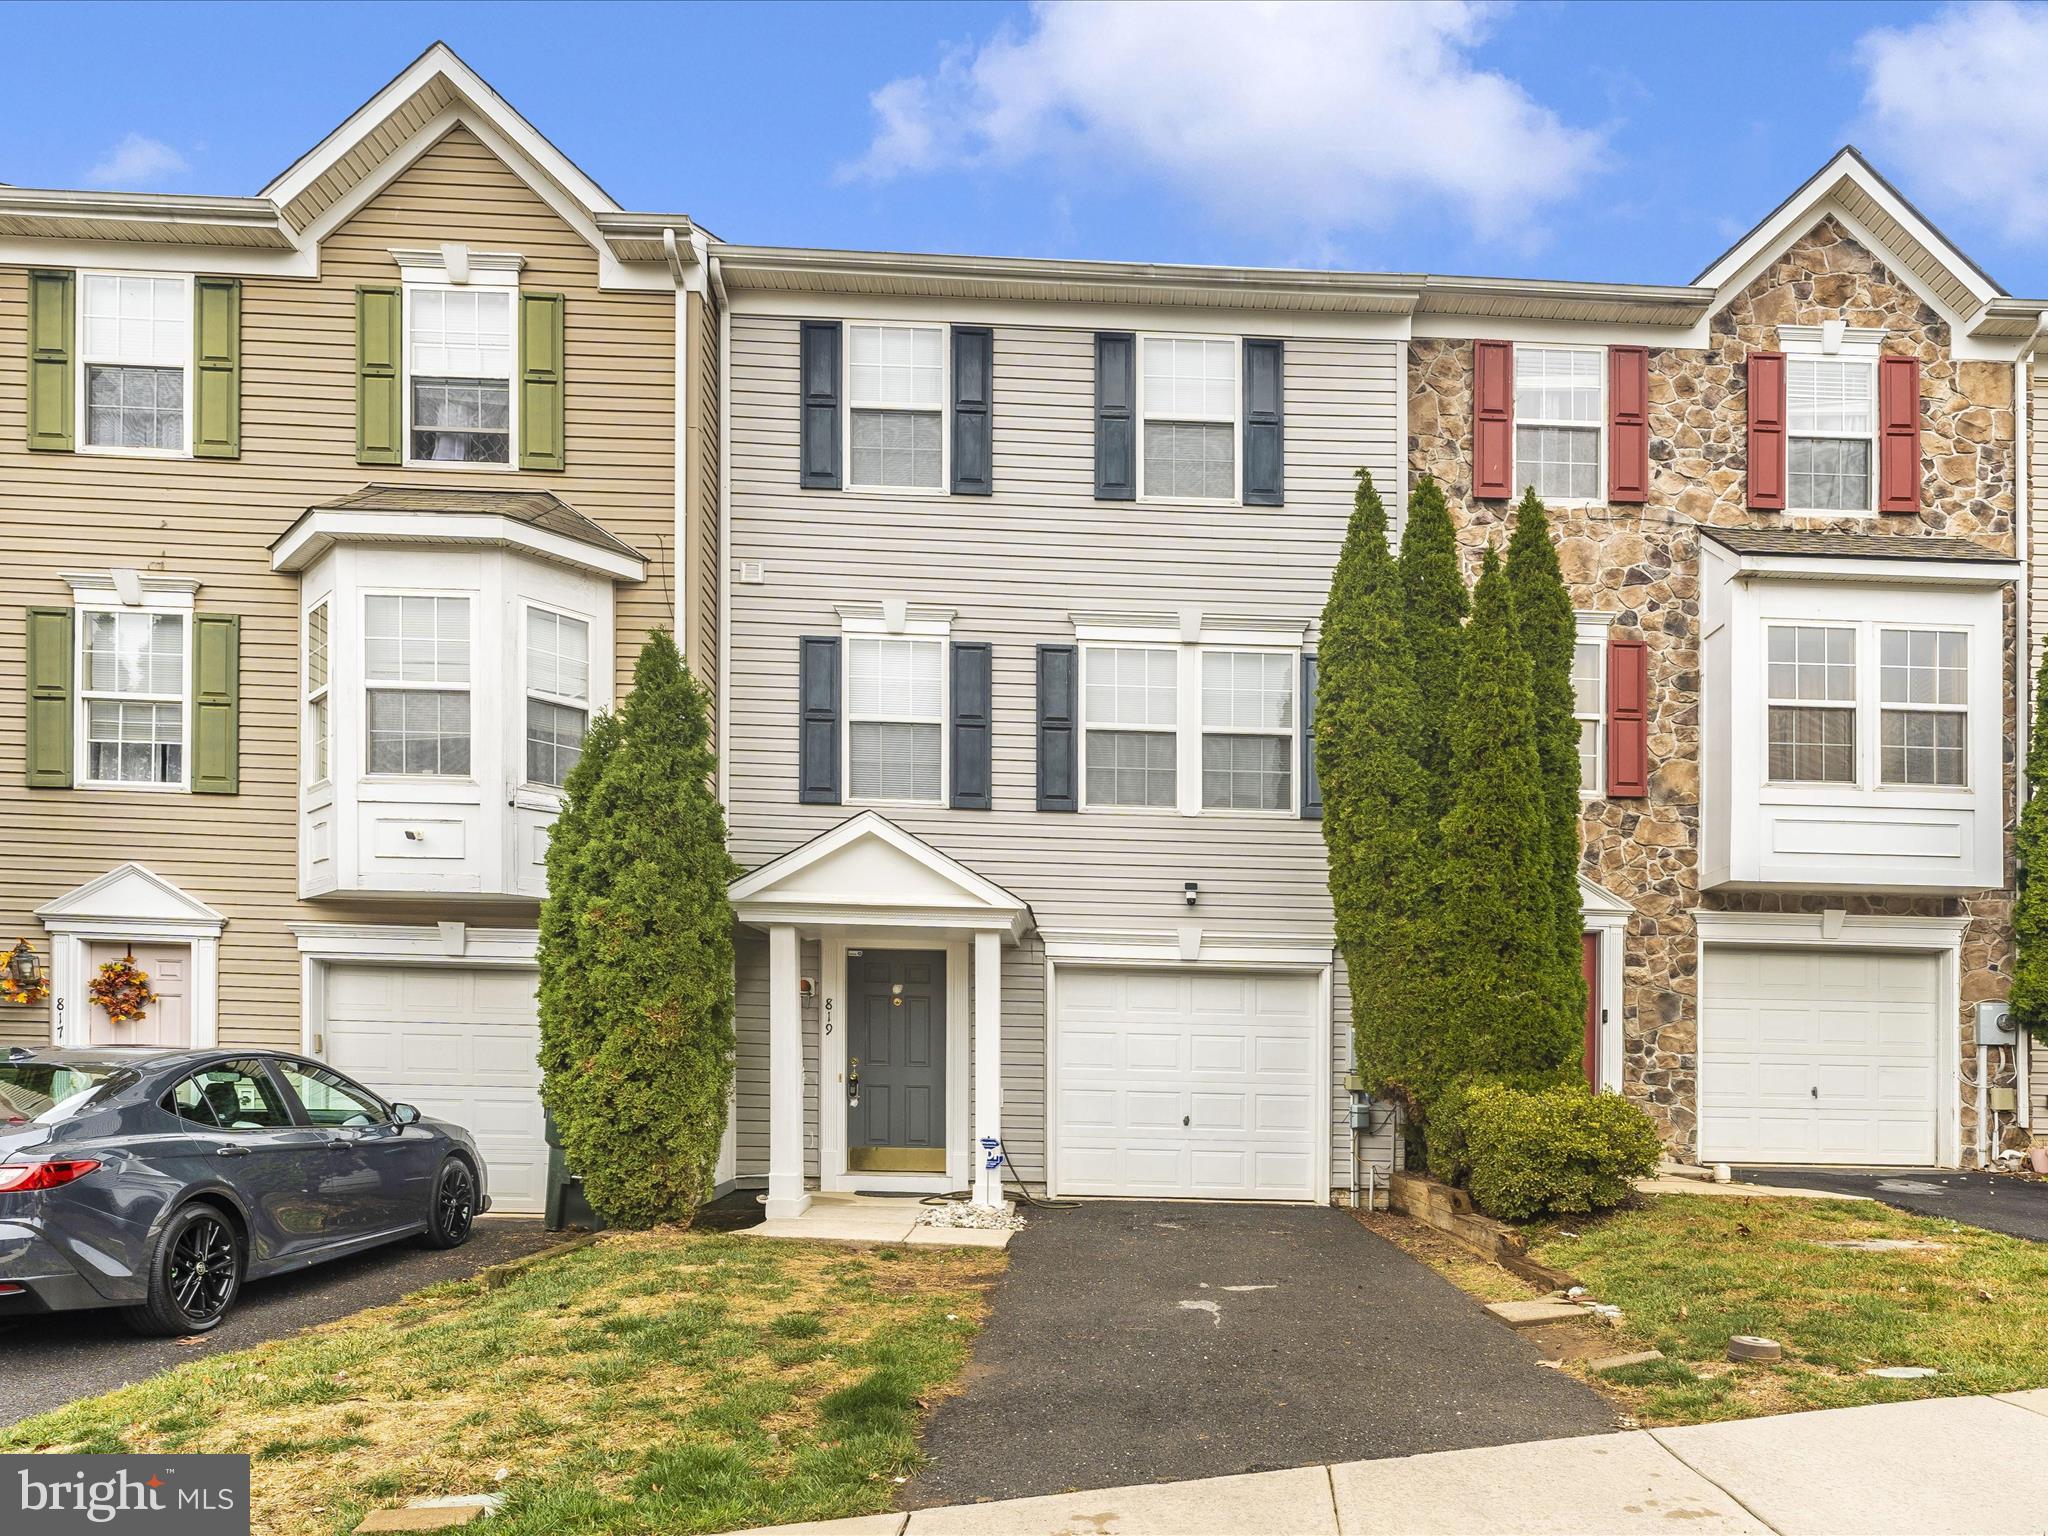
point(460, 1045)
point(1188, 1084)
point(1813, 1056)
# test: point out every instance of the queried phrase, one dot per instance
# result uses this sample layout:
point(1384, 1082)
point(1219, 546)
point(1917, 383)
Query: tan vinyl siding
point(1015, 566)
point(213, 521)
point(701, 569)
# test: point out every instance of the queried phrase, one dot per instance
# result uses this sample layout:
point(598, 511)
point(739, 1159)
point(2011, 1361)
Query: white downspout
point(2022, 1051)
point(680, 564)
point(724, 585)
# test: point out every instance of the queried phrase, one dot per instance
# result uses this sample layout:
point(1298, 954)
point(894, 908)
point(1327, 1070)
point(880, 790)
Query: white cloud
point(1326, 116)
point(1956, 102)
point(137, 164)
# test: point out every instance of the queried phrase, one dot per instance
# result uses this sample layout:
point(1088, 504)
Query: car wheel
point(195, 1276)
point(454, 1208)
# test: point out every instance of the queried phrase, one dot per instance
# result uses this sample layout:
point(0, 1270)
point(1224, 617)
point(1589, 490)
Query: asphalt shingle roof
point(1814, 543)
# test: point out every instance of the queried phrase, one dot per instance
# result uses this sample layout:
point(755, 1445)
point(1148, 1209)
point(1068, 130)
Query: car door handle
point(341, 1144)
point(230, 1151)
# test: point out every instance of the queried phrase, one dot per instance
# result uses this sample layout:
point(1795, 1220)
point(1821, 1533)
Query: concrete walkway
point(1973, 1466)
point(873, 1219)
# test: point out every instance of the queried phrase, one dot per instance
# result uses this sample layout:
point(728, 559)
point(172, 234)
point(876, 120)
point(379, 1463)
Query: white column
point(786, 1195)
point(988, 1064)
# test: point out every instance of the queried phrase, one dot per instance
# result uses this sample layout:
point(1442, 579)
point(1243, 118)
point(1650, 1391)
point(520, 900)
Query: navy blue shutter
point(973, 410)
point(972, 664)
point(1116, 416)
point(817, 689)
point(818, 380)
point(1058, 697)
point(1311, 786)
point(1265, 428)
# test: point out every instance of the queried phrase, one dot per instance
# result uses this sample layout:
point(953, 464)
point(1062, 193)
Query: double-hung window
point(896, 402)
point(1830, 433)
point(459, 352)
point(319, 739)
point(416, 666)
point(1558, 411)
point(134, 352)
point(1188, 402)
point(1811, 692)
point(895, 715)
point(132, 672)
point(1131, 720)
point(1923, 697)
point(557, 694)
point(1589, 706)
point(1248, 730)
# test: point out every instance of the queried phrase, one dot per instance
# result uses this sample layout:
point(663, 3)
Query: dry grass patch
point(654, 1382)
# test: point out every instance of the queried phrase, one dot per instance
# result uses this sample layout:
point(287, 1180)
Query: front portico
point(910, 973)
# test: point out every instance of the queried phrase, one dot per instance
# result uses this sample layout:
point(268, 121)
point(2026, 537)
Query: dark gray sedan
point(158, 1181)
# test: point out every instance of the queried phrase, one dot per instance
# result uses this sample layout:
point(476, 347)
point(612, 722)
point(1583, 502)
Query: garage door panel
point(1824, 1057)
point(1208, 1091)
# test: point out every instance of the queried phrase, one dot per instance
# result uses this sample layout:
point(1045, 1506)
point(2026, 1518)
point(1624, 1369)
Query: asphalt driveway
point(47, 1362)
point(1996, 1201)
point(1139, 1342)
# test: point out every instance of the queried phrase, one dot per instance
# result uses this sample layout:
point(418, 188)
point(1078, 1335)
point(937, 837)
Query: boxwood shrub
point(1548, 1151)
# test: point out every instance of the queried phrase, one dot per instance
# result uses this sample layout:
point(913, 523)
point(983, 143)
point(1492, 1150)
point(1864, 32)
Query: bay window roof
point(536, 522)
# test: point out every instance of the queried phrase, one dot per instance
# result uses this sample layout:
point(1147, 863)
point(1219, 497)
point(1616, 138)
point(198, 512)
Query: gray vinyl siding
point(1014, 566)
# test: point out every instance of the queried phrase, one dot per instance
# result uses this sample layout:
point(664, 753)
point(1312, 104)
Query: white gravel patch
point(977, 1218)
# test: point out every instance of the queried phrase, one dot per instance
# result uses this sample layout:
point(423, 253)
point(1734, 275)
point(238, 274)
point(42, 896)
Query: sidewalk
point(1975, 1466)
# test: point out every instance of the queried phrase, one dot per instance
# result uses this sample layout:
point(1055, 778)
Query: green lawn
point(652, 1383)
point(1688, 1271)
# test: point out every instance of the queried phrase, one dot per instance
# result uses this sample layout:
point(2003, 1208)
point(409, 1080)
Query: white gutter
point(723, 586)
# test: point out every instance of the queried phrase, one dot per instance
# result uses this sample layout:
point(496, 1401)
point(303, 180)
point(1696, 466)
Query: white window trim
point(310, 696)
point(441, 278)
point(1235, 420)
point(1591, 629)
point(945, 407)
point(82, 436)
point(1962, 709)
point(366, 685)
point(895, 620)
point(1853, 706)
point(85, 602)
point(1598, 427)
point(528, 693)
point(1867, 708)
point(1833, 341)
point(1189, 636)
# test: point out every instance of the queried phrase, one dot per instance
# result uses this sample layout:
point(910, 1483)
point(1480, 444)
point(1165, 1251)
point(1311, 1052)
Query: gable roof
point(128, 892)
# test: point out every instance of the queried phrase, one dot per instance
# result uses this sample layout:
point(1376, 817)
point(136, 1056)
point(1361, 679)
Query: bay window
point(459, 353)
point(1130, 725)
point(896, 398)
point(1247, 730)
point(1187, 405)
point(1830, 433)
point(134, 353)
point(1558, 413)
point(557, 694)
point(416, 656)
point(895, 712)
point(319, 728)
point(132, 697)
point(1923, 720)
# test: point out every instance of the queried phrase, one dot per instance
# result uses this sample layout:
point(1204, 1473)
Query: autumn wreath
point(122, 989)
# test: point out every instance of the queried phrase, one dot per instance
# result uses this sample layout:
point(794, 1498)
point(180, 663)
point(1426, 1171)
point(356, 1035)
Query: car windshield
point(44, 1092)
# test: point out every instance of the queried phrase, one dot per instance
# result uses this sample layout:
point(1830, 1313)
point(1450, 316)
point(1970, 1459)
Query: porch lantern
point(24, 965)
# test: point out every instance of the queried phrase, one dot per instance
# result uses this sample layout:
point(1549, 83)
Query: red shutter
point(1628, 719)
point(1898, 444)
point(1767, 431)
point(1628, 424)
point(1493, 420)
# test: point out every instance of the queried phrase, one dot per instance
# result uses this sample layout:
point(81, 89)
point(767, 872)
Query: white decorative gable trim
point(136, 905)
point(868, 872)
point(1598, 901)
point(129, 893)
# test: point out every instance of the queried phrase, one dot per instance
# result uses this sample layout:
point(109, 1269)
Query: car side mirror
point(405, 1114)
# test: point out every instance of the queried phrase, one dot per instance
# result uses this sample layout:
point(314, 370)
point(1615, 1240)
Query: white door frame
point(1189, 953)
point(130, 905)
point(833, 1172)
point(1838, 930)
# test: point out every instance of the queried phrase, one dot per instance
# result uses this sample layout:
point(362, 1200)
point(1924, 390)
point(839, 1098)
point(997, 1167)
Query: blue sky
point(1628, 142)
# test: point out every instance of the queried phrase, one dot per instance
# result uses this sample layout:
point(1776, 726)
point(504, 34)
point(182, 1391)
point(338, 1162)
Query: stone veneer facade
point(1642, 565)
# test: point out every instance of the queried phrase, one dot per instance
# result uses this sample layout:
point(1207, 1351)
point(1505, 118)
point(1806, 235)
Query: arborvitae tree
point(1547, 634)
point(1494, 927)
point(636, 954)
point(1434, 605)
point(2030, 907)
point(1375, 801)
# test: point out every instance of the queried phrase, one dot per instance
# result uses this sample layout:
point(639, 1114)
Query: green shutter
point(216, 704)
point(217, 368)
point(380, 414)
point(49, 698)
point(50, 392)
point(540, 381)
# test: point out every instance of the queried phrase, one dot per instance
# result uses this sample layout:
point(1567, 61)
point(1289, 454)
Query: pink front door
point(165, 1021)
point(1589, 960)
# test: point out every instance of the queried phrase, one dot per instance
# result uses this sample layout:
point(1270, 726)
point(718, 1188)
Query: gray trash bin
point(567, 1206)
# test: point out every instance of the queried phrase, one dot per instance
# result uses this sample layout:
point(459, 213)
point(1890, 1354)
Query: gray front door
point(896, 1062)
